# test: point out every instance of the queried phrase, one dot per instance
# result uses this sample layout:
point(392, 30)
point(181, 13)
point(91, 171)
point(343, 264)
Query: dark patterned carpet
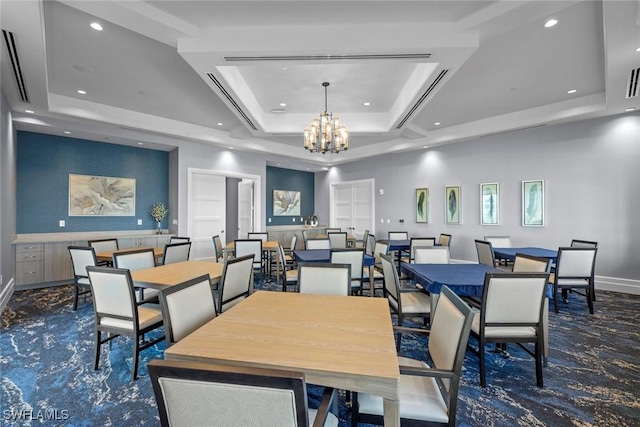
point(593, 377)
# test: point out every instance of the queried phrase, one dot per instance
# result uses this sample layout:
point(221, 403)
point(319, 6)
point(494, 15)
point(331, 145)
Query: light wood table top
point(108, 255)
point(176, 273)
point(341, 342)
point(269, 245)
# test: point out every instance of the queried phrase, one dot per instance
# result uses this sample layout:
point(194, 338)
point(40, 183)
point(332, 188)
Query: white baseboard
point(617, 284)
point(6, 294)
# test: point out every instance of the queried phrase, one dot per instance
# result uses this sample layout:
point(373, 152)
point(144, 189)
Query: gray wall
point(591, 170)
point(7, 198)
point(232, 209)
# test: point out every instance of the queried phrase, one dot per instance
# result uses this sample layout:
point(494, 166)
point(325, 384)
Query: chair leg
point(538, 356)
point(555, 299)
point(136, 351)
point(481, 363)
point(75, 297)
point(399, 340)
point(354, 409)
point(589, 299)
point(96, 356)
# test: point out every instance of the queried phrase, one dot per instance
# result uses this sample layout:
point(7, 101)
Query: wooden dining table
point(344, 342)
point(108, 255)
point(176, 273)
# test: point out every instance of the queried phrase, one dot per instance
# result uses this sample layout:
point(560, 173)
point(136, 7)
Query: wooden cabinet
point(57, 261)
point(143, 242)
point(48, 263)
point(283, 234)
point(29, 263)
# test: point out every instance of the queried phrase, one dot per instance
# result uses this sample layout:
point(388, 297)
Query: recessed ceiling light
point(638, 49)
point(82, 92)
point(282, 104)
point(366, 104)
point(550, 23)
point(572, 91)
point(437, 123)
point(96, 26)
point(285, 68)
point(66, 132)
point(220, 123)
point(630, 109)
point(230, 148)
point(29, 111)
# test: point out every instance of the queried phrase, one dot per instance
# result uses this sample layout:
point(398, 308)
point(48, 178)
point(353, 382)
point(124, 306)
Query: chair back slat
point(398, 235)
point(391, 282)
point(104, 245)
point(318, 244)
point(431, 255)
point(253, 247)
point(81, 258)
point(499, 241)
point(113, 293)
point(218, 249)
point(575, 243)
point(236, 281)
point(530, 264)
point(485, 253)
point(324, 278)
point(178, 239)
point(514, 299)
point(445, 239)
point(176, 252)
point(133, 260)
point(186, 307)
point(575, 262)
point(338, 239)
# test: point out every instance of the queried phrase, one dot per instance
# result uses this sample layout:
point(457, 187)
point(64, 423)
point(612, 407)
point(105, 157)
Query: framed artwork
point(490, 203)
point(91, 195)
point(422, 204)
point(452, 205)
point(286, 203)
point(533, 203)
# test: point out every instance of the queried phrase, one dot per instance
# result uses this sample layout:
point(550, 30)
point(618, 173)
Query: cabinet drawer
point(28, 273)
point(29, 256)
point(29, 247)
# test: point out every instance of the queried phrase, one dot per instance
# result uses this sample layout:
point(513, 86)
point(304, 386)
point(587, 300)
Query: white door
point(352, 206)
point(245, 208)
point(206, 212)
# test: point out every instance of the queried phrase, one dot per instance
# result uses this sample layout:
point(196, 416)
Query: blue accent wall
point(291, 180)
point(44, 163)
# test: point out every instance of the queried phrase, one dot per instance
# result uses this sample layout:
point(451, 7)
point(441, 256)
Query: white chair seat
point(415, 302)
point(291, 275)
point(377, 275)
point(502, 331)
point(147, 316)
point(420, 398)
point(331, 421)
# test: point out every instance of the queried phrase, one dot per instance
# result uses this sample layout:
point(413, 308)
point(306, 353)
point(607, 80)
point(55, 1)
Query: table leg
point(372, 281)
point(391, 413)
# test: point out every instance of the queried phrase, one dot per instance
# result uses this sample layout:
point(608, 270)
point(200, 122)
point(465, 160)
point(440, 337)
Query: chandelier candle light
point(326, 134)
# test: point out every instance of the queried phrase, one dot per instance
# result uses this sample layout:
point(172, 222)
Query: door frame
point(257, 200)
point(372, 186)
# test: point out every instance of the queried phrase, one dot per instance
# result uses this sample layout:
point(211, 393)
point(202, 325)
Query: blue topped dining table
point(465, 280)
point(510, 253)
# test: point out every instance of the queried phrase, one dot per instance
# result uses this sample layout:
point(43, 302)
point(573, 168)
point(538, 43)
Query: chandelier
point(326, 134)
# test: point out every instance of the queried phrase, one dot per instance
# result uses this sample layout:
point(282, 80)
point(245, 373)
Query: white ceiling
point(475, 67)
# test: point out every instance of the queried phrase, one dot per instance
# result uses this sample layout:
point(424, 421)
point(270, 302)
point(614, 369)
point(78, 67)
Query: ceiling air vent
point(232, 101)
point(633, 88)
point(328, 57)
point(426, 93)
point(15, 64)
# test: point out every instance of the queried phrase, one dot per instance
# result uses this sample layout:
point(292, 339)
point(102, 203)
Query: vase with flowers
point(159, 212)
